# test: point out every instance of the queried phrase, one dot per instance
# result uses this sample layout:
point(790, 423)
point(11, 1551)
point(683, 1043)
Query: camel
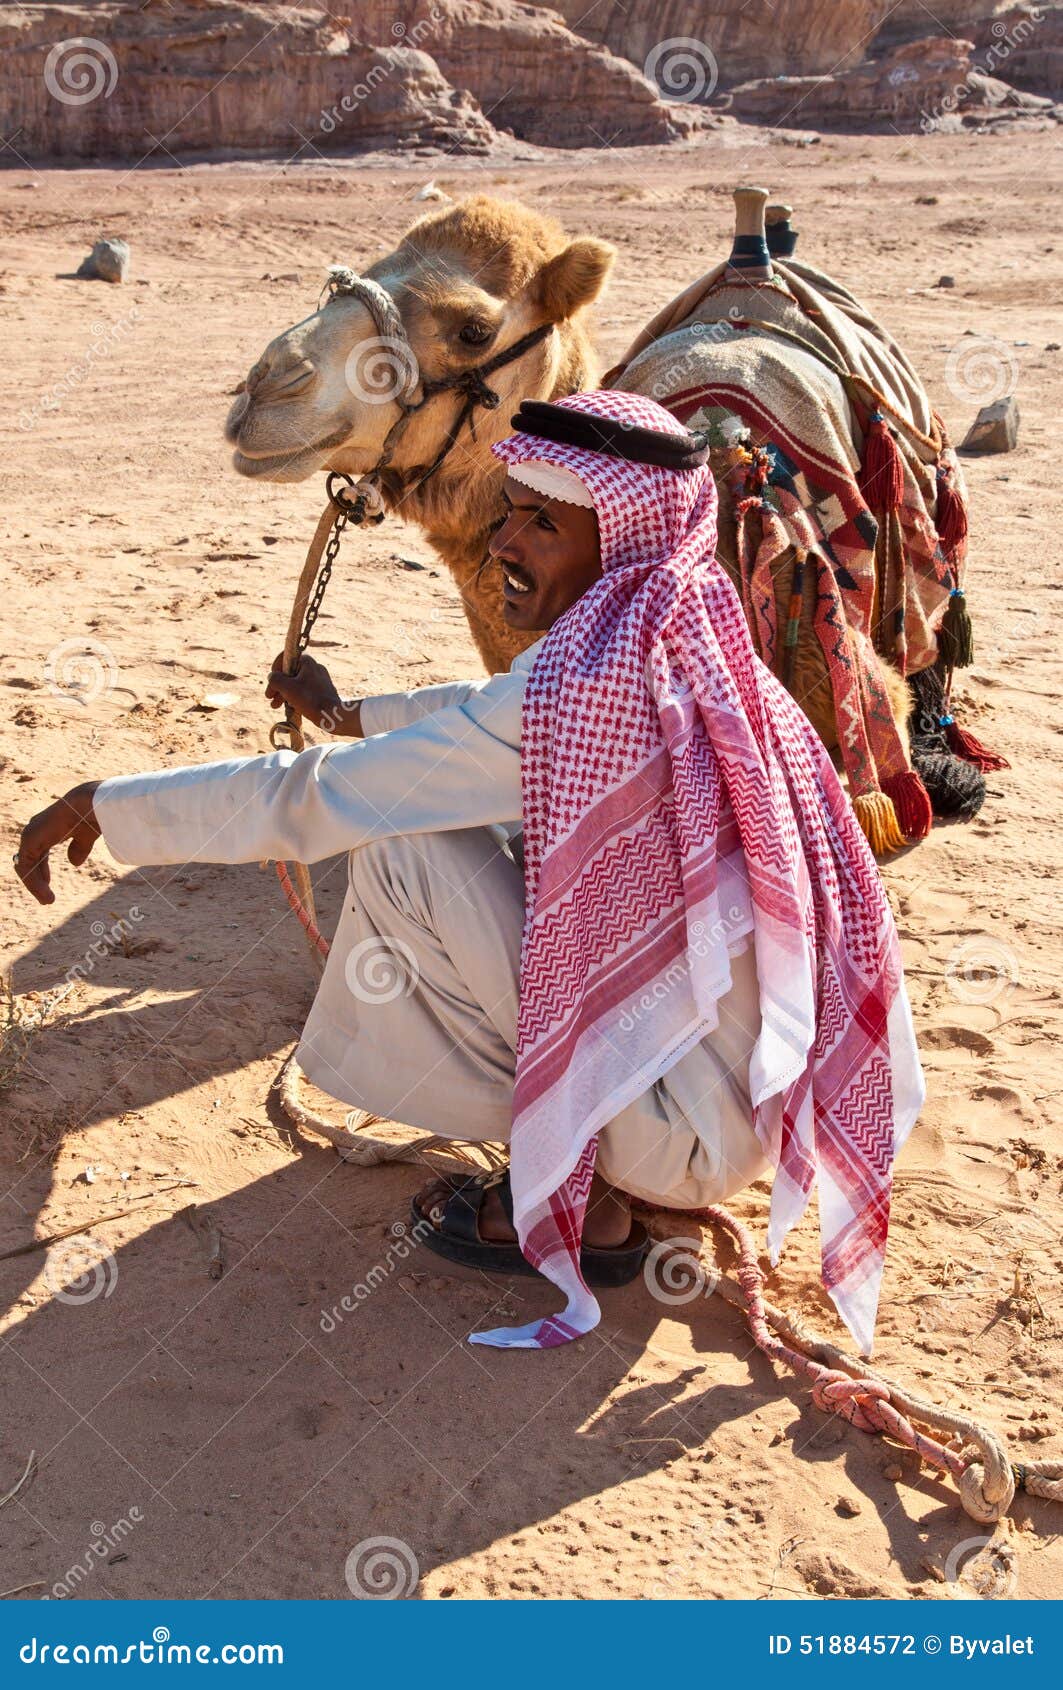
point(475, 277)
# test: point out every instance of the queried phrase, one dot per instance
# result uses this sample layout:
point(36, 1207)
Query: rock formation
point(180, 76)
point(793, 37)
point(929, 84)
point(1023, 45)
point(166, 79)
point(826, 56)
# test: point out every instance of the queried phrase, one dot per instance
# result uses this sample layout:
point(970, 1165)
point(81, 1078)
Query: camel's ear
point(574, 277)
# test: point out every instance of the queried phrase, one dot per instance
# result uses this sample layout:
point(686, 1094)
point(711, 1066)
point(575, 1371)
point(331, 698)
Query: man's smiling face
point(548, 552)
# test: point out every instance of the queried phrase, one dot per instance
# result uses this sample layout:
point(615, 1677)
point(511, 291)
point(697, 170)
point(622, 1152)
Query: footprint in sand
point(954, 1039)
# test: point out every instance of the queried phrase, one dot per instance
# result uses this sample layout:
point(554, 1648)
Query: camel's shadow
point(242, 1436)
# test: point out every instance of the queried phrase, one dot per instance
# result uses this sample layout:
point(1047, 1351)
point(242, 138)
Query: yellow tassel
point(878, 818)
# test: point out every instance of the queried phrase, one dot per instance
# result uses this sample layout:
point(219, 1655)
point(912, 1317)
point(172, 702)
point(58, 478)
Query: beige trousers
point(418, 1023)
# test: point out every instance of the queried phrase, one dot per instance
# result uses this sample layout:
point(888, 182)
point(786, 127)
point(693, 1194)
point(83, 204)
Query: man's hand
point(312, 693)
point(70, 817)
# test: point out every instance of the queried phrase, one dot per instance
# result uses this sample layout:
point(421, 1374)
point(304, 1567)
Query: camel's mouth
point(280, 466)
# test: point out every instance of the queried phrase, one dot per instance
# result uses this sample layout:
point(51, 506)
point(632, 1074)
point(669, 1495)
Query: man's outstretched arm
point(458, 767)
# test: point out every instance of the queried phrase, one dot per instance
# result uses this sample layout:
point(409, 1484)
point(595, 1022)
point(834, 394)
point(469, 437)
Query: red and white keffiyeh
point(678, 806)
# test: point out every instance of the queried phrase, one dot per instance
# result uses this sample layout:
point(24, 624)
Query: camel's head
point(467, 280)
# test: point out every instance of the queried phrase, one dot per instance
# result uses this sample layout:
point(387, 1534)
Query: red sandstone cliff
point(167, 79)
point(193, 75)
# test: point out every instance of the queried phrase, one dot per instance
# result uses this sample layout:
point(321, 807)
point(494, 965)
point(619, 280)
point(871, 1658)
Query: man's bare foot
point(607, 1225)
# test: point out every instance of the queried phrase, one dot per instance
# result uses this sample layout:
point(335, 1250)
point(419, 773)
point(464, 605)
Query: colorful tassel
point(878, 818)
point(963, 744)
point(956, 636)
point(881, 472)
point(951, 514)
point(911, 802)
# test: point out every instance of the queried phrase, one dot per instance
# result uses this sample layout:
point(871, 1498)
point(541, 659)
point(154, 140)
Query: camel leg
point(900, 701)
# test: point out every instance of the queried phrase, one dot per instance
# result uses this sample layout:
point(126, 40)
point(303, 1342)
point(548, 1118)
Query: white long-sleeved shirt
point(440, 757)
point(437, 758)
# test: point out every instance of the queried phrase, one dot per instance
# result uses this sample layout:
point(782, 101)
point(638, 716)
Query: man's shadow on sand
point(263, 1428)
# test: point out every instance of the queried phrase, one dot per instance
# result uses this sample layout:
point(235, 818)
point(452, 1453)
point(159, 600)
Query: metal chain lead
point(314, 604)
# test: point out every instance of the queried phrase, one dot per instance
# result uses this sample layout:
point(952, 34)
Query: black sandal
point(455, 1234)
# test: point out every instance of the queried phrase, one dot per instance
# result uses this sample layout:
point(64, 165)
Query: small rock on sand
point(107, 262)
point(995, 428)
point(945, 282)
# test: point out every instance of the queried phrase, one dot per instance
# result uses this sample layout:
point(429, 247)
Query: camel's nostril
point(266, 384)
point(240, 407)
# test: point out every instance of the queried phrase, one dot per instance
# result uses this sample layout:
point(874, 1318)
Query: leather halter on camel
point(361, 501)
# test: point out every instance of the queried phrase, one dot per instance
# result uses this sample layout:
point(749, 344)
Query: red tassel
point(963, 744)
point(881, 472)
point(951, 515)
point(911, 800)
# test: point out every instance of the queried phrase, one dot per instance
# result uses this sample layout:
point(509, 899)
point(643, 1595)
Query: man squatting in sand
point(647, 941)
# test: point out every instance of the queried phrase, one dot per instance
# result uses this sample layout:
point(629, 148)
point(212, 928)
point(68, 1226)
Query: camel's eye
point(475, 334)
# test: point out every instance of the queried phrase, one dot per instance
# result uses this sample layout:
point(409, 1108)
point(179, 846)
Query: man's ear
point(574, 277)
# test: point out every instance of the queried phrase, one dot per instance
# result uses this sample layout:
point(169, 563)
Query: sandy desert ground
point(208, 1433)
